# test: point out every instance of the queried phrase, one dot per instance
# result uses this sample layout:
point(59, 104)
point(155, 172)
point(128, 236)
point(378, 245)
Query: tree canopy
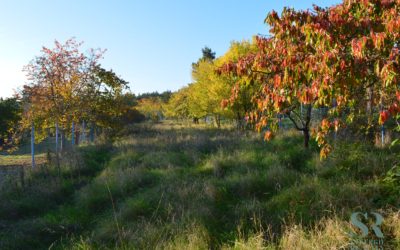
point(66, 85)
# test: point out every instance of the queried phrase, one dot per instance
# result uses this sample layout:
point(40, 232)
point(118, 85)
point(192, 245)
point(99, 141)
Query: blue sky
point(151, 44)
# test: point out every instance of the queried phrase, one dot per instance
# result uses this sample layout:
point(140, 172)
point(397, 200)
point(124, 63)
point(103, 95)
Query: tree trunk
point(369, 108)
point(370, 113)
point(306, 134)
point(306, 130)
point(218, 121)
point(305, 124)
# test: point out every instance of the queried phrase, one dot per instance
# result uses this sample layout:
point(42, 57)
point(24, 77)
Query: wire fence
point(382, 135)
point(32, 153)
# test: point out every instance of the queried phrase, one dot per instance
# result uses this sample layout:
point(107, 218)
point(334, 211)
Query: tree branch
point(294, 122)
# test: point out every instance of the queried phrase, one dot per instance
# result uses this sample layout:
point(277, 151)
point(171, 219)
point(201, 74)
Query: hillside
point(172, 186)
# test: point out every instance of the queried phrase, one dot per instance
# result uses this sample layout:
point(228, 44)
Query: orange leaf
point(383, 116)
point(267, 136)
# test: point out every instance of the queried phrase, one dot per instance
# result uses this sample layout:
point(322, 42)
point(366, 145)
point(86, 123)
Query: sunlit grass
point(21, 160)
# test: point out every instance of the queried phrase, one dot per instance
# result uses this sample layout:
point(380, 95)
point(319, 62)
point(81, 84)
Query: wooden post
point(73, 134)
point(33, 145)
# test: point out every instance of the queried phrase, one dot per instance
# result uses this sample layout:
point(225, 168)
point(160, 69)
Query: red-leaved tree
point(342, 58)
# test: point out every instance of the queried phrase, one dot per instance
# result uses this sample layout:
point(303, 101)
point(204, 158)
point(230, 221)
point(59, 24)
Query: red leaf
point(383, 116)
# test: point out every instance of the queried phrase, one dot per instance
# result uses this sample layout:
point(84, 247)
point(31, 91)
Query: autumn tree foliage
point(241, 88)
point(284, 67)
point(105, 101)
point(203, 97)
point(207, 91)
point(152, 108)
point(345, 57)
point(367, 34)
point(67, 85)
point(178, 105)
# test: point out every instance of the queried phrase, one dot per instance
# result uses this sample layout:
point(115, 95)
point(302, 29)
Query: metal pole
point(83, 131)
point(57, 154)
point(33, 145)
point(62, 141)
point(279, 121)
point(73, 134)
point(92, 132)
point(57, 133)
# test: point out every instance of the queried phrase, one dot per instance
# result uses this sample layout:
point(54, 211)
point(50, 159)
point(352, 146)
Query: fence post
point(382, 129)
point(33, 145)
point(57, 133)
point(73, 134)
point(62, 141)
point(83, 131)
point(279, 121)
point(92, 133)
point(57, 154)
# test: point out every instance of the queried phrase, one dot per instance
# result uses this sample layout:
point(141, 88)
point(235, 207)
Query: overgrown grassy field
point(169, 186)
